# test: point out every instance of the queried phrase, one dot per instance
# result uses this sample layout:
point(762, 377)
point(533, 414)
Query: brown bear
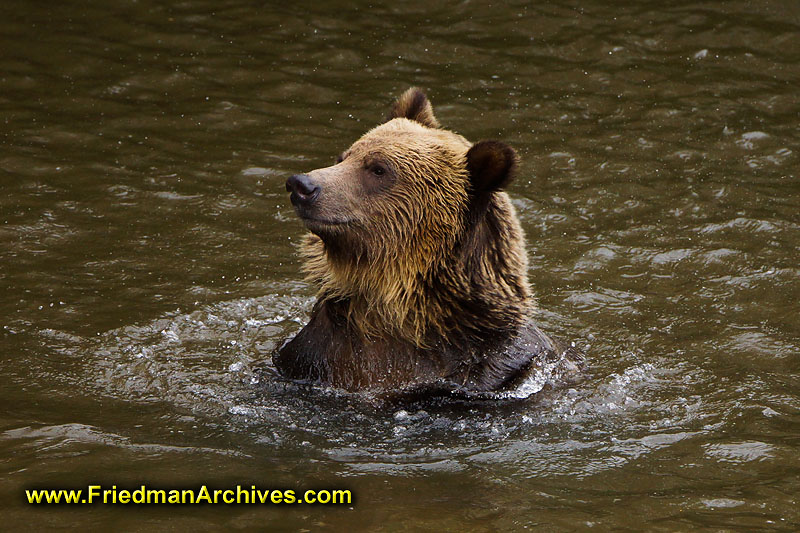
point(420, 263)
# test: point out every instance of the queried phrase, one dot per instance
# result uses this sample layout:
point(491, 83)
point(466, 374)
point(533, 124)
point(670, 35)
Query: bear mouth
point(313, 223)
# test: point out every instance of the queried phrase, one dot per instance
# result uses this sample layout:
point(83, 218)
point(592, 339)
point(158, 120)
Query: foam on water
point(214, 363)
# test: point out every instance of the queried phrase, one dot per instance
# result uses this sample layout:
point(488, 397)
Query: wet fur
point(433, 287)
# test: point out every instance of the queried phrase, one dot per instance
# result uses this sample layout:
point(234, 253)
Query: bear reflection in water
point(420, 263)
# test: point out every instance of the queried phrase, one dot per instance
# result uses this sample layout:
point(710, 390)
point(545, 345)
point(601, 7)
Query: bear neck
point(470, 291)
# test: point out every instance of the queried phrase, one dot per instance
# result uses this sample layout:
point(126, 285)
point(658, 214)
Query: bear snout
point(304, 190)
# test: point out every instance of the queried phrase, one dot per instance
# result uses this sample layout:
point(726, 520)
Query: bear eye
point(378, 170)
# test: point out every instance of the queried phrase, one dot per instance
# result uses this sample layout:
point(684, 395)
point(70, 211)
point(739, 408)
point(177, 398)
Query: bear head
point(411, 232)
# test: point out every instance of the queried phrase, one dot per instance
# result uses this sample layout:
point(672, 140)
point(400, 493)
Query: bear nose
point(303, 189)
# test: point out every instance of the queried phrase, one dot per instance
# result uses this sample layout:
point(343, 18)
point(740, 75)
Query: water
point(149, 265)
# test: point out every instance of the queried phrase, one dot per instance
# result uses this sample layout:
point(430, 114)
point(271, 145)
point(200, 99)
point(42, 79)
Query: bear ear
point(491, 165)
point(414, 105)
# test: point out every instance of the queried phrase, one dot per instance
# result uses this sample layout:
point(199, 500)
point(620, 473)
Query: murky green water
point(147, 263)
